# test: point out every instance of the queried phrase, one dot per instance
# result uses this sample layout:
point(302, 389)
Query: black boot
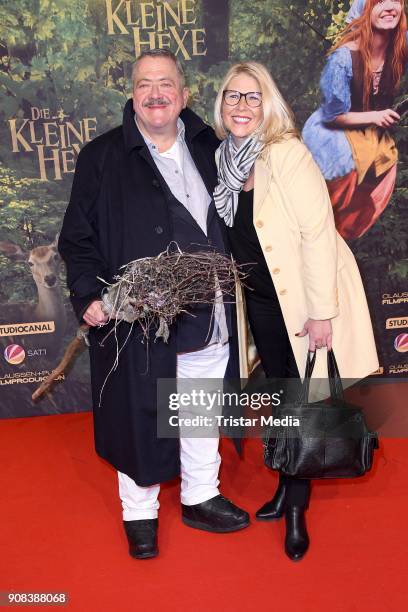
point(297, 539)
point(142, 538)
point(274, 509)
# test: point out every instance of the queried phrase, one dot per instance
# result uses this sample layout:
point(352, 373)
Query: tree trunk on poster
point(216, 14)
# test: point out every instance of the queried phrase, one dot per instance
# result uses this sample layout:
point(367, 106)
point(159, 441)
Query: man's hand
point(320, 334)
point(94, 315)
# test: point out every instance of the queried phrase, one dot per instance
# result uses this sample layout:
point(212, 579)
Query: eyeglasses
point(252, 98)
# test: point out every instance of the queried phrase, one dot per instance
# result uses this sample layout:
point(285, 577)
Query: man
point(137, 188)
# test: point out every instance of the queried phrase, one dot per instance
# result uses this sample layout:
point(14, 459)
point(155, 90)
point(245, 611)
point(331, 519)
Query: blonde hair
point(278, 122)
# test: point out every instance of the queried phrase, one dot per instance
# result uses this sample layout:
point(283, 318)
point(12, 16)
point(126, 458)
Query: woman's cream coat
point(313, 270)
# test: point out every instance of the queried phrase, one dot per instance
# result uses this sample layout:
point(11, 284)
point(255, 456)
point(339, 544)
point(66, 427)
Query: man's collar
point(193, 125)
point(181, 129)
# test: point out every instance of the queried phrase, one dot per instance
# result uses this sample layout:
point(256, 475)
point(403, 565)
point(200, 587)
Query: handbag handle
point(336, 387)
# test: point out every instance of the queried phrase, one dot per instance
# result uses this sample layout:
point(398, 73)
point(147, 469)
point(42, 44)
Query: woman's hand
point(320, 334)
point(385, 118)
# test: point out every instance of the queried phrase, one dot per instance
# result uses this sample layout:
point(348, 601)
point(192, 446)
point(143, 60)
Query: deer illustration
point(44, 263)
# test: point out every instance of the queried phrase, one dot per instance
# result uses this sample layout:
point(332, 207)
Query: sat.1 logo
point(14, 354)
point(401, 343)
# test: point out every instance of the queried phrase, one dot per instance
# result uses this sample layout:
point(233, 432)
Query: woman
point(348, 134)
point(275, 204)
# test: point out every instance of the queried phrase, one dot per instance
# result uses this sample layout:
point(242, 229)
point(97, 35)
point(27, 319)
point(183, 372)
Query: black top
point(384, 98)
point(246, 249)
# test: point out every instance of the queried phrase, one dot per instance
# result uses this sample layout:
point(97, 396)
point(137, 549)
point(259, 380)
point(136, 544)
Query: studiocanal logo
point(396, 322)
point(21, 329)
point(401, 343)
point(14, 354)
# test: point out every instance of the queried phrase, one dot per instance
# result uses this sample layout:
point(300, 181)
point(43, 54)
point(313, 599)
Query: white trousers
point(199, 457)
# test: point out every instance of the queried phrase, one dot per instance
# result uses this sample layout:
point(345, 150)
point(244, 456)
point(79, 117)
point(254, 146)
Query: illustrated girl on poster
point(348, 135)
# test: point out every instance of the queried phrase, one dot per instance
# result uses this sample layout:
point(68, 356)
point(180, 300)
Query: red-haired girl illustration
point(348, 135)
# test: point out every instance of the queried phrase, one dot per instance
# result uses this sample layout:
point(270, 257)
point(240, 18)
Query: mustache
point(159, 101)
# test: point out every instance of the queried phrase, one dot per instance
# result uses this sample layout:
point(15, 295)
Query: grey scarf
point(234, 166)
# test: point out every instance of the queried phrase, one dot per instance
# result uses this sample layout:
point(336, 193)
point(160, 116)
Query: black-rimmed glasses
point(252, 98)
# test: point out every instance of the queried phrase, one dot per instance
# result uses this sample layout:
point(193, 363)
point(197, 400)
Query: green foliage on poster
point(58, 54)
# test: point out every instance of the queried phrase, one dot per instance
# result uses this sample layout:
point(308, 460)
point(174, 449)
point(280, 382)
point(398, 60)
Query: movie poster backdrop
point(65, 68)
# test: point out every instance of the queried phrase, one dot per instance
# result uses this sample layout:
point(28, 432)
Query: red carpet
point(61, 531)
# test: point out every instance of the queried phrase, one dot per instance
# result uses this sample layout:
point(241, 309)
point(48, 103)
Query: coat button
point(268, 248)
point(259, 224)
point(158, 229)
point(283, 292)
point(155, 183)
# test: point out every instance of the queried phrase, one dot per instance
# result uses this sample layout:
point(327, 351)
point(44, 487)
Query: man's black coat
point(117, 213)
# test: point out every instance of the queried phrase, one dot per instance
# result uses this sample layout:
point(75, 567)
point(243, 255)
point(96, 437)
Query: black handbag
point(332, 439)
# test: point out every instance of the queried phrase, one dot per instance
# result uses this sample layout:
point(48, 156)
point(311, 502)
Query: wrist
point(373, 116)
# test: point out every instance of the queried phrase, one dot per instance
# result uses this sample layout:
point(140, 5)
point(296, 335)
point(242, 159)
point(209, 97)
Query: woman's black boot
point(274, 509)
point(297, 539)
